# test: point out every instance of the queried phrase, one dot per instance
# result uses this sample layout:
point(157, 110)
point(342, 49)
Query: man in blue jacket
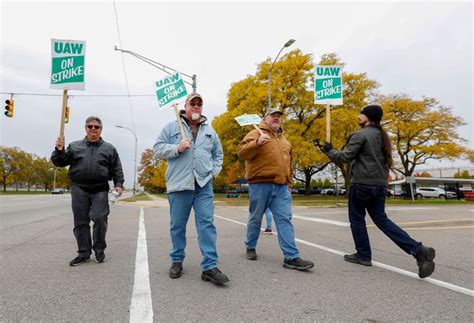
point(193, 163)
point(92, 163)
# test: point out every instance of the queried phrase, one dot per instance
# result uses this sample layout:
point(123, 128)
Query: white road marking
point(345, 211)
point(411, 208)
point(342, 224)
point(141, 308)
point(433, 281)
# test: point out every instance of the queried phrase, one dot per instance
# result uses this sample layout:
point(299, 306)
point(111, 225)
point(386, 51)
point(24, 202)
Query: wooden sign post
point(328, 90)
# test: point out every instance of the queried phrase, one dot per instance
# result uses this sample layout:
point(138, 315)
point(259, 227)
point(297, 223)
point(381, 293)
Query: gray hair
point(94, 118)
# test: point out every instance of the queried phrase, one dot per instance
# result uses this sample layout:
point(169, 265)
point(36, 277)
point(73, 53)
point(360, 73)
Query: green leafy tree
point(26, 173)
point(44, 168)
point(9, 165)
point(463, 174)
point(62, 178)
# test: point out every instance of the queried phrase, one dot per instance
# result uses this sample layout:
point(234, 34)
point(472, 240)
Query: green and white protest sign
point(328, 84)
point(67, 66)
point(248, 119)
point(170, 89)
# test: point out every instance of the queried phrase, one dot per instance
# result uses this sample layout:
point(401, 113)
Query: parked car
point(315, 191)
point(434, 192)
point(57, 191)
point(342, 191)
point(232, 194)
point(327, 191)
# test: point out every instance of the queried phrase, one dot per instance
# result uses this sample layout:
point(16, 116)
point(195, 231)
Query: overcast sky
point(421, 49)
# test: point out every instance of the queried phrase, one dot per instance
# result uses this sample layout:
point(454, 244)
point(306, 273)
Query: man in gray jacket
point(92, 163)
point(370, 153)
point(193, 163)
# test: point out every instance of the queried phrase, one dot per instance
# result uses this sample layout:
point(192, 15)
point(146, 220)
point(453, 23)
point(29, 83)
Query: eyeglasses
point(90, 126)
point(193, 104)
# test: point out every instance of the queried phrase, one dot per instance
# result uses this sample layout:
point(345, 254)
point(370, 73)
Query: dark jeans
point(86, 207)
point(372, 198)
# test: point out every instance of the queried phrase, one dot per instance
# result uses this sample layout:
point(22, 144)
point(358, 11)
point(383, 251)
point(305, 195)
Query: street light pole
point(135, 160)
point(287, 44)
point(54, 180)
point(162, 67)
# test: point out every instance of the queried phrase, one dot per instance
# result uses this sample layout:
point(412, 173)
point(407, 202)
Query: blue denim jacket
point(200, 163)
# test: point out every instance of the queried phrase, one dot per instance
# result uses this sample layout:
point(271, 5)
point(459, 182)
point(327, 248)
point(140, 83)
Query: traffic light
point(10, 105)
point(66, 115)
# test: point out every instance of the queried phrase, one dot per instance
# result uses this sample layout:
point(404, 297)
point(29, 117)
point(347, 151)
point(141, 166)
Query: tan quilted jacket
point(270, 163)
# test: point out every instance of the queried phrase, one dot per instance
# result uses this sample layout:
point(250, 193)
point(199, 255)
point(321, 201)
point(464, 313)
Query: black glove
point(327, 148)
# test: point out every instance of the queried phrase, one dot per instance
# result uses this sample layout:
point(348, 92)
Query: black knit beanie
point(373, 112)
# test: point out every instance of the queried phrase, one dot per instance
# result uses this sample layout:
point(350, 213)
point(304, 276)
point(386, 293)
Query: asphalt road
point(37, 284)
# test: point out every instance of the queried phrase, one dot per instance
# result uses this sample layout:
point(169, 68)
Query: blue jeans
point(372, 198)
point(268, 218)
point(277, 198)
point(202, 201)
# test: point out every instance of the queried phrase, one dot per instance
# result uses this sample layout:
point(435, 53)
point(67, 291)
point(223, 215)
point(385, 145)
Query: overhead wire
point(76, 95)
point(124, 68)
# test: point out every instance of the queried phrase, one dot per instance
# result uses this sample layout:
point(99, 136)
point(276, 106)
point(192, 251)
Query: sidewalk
point(156, 202)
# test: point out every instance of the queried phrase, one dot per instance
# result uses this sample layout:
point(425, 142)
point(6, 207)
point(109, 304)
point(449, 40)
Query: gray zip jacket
point(364, 148)
point(92, 164)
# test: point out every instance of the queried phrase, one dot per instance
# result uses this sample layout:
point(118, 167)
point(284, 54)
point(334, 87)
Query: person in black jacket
point(370, 152)
point(92, 163)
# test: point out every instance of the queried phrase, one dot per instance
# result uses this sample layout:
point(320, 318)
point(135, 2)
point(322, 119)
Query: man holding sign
point(268, 158)
point(194, 160)
point(92, 163)
point(369, 151)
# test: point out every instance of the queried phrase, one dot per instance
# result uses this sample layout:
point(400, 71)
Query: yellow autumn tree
point(303, 121)
point(291, 93)
point(421, 130)
point(152, 172)
point(469, 155)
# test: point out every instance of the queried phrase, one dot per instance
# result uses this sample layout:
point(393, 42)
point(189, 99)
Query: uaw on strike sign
point(67, 66)
point(170, 89)
point(328, 84)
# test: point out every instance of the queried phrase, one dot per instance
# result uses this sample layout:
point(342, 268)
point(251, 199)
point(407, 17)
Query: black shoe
point(79, 261)
point(298, 264)
point(251, 254)
point(176, 270)
point(100, 256)
point(214, 276)
point(424, 260)
point(354, 258)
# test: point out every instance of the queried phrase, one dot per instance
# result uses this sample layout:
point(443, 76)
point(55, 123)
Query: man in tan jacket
point(268, 158)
